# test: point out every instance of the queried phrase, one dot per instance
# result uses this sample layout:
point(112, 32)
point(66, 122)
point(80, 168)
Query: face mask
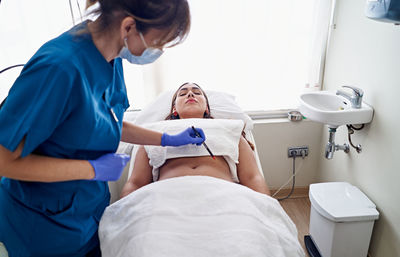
point(149, 55)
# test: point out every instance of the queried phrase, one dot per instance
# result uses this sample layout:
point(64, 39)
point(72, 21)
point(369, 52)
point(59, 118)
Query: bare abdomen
point(201, 166)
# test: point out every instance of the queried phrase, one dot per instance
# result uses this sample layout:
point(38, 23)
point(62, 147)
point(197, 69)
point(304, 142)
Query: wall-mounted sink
point(334, 110)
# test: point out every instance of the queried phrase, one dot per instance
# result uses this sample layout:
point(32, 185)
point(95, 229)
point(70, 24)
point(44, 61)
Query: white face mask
point(149, 55)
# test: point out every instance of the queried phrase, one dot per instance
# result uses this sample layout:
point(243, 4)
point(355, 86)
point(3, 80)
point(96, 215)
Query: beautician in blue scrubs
point(62, 122)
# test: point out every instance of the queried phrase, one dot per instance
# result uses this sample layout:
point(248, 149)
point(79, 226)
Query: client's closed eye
point(194, 90)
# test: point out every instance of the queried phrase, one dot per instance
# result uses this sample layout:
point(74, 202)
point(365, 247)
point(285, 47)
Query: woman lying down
point(179, 201)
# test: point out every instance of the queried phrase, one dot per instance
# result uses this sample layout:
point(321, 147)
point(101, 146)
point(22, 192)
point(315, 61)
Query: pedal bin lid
point(342, 202)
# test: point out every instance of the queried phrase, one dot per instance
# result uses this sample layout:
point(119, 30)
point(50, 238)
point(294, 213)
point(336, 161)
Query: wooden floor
point(298, 210)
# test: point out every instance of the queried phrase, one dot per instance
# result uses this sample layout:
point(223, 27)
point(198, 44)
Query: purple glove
point(188, 136)
point(109, 167)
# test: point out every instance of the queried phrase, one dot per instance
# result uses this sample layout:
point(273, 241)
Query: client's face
point(190, 102)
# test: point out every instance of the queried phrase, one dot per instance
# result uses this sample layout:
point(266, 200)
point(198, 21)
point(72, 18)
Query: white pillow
point(222, 105)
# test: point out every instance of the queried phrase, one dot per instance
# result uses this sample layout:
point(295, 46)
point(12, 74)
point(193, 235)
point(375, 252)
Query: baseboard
point(298, 192)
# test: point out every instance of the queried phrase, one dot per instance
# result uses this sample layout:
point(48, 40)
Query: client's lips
point(191, 100)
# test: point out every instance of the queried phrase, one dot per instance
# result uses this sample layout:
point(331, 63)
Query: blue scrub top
point(62, 105)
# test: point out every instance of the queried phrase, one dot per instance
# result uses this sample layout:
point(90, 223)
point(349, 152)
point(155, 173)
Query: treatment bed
point(195, 215)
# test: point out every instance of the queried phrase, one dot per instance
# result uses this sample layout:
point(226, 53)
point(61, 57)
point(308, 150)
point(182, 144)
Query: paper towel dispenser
point(383, 10)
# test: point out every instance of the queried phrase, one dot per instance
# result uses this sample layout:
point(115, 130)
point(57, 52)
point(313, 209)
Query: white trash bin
point(341, 219)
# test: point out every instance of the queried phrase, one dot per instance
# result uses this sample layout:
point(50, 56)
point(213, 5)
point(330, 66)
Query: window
point(264, 52)
point(24, 26)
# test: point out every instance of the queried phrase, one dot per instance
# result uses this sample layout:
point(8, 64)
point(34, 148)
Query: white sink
point(334, 110)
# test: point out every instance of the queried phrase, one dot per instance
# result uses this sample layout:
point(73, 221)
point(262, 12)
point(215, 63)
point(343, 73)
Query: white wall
point(273, 137)
point(366, 53)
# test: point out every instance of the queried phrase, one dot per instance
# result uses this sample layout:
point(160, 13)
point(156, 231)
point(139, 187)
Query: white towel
point(197, 216)
point(222, 138)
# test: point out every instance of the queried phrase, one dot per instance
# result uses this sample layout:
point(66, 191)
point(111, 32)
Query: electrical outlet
point(298, 151)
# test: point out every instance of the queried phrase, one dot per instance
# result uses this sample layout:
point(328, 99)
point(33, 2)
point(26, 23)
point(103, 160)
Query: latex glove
point(188, 136)
point(109, 167)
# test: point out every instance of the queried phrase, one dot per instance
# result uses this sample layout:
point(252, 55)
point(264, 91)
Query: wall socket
point(297, 151)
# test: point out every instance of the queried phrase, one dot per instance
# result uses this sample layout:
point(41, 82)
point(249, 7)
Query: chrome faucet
point(355, 98)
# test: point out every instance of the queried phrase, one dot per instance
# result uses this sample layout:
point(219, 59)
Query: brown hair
point(206, 115)
point(171, 15)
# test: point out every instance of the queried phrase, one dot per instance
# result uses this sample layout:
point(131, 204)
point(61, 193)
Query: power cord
point(293, 177)
point(10, 67)
point(72, 11)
